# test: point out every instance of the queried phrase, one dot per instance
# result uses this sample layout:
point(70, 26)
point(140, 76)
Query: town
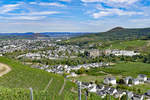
point(31, 52)
point(108, 87)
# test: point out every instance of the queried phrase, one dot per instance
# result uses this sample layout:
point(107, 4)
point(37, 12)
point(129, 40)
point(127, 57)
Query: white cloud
point(24, 18)
point(33, 3)
point(65, 0)
point(37, 13)
point(91, 0)
point(110, 1)
point(124, 1)
point(143, 20)
point(44, 13)
point(101, 14)
point(51, 4)
point(29, 16)
point(115, 11)
point(8, 8)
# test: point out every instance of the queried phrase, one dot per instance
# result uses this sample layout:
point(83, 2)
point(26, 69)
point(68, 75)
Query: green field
point(143, 87)
point(25, 77)
point(119, 70)
point(15, 84)
point(131, 69)
point(122, 69)
point(128, 45)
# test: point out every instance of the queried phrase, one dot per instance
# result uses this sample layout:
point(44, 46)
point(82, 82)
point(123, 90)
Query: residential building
point(110, 80)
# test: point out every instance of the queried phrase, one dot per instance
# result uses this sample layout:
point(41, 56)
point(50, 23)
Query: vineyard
point(23, 94)
point(15, 84)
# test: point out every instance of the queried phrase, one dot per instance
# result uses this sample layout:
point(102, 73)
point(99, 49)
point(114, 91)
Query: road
point(4, 69)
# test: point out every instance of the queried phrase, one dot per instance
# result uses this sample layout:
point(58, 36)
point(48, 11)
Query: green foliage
point(139, 91)
point(15, 84)
point(129, 68)
point(121, 81)
point(122, 87)
point(94, 72)
point(130, 81)
point(96, 82)
point(123, 34)
point(127, 45)
point(81, 70)
point(22, 76)
point(124, 97)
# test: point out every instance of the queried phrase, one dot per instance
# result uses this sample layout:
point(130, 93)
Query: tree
point(124, 97)
point(96, 82)
point(139, 91)
point(121, 81)
point(81, 70)
point(65, 74)
point(130, 81)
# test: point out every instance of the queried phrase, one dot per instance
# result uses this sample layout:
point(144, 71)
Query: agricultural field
point(17, 82)
point(128, 45)
point(130, 69)
point(25, 77)
point(121, 69)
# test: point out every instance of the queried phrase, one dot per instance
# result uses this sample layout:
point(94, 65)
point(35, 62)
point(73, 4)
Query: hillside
point(142, 46)
point(46, 86)
point(117, 33)
point(22, 77)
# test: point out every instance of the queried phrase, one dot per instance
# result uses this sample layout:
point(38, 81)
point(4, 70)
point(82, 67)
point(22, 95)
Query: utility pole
point(79, 90)
point(127, 95)
point(86, 94)
point(31, 93)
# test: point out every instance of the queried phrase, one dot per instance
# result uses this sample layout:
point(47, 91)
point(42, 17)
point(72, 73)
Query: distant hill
point(32, 35)
point(116, 29)
point(117, 33)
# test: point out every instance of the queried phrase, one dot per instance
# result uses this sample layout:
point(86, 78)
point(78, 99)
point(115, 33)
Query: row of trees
point(86, 60)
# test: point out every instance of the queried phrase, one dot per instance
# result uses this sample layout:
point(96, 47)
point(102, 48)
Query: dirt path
point(48, 84)
point(62, 88)
point(4, 69)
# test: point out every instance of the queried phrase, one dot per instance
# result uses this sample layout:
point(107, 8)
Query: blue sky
point(72, 15)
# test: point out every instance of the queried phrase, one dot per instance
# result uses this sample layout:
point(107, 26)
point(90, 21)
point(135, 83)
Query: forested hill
point(117, 33)
point(124, 33)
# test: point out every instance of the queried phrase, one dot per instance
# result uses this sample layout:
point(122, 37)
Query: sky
point(72, 15)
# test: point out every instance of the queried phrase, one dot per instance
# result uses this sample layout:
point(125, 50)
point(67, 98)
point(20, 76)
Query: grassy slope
point(15, 84)
point(24, 77)
point(127, 44)
point(132, 68)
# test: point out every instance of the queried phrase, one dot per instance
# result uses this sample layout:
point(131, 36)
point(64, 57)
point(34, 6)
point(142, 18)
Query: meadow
point(127, 45)
point(120, 69)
